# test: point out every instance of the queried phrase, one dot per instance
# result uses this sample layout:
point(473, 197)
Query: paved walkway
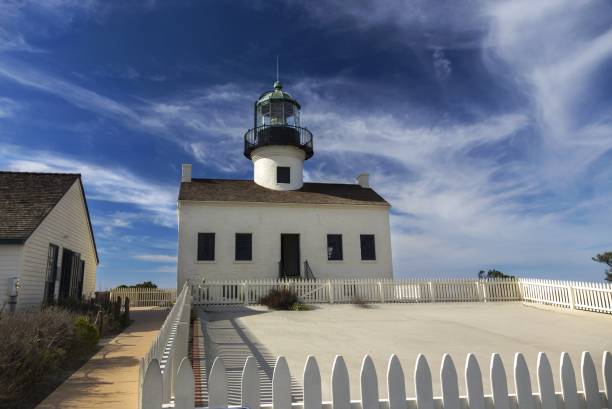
point(110, 378)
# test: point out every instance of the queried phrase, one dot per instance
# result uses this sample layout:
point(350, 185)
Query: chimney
point(186, 176)
point(363, 180)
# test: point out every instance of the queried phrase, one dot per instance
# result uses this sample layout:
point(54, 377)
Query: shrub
point(357, 301)
point(31, 344)
point(86, 334)
point(280, 299)
point(300, 306)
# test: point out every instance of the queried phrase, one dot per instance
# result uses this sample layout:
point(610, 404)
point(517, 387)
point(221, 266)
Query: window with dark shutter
point(51, 273)
point(80, 281)
point(244, 247)
point(368, 251)
point(283, 174)
point(206, 246)
point(334, 247)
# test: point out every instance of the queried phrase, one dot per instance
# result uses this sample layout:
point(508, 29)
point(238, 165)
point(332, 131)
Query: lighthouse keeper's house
point(276, 225)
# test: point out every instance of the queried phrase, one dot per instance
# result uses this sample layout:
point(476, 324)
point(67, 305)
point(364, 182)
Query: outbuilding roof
point(27, 198)
point(231, 190)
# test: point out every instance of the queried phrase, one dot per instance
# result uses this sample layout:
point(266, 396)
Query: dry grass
point(35, 343)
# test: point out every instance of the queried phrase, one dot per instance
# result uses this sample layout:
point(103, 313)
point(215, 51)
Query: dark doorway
point(69, 281)
point(290, 255)
point(64, 290)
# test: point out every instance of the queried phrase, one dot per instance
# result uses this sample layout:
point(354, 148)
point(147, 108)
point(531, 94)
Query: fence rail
point(588, 296)
point(595, 297)
point(146, 297)
point(166, 352)
point(590, 397)
point(367, 290)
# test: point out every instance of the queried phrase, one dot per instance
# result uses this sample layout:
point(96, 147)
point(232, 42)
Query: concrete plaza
point(406, 330)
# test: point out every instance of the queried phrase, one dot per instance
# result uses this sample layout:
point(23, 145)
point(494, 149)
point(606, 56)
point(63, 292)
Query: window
point(80, 281)
point(74, 275)
point(51, 273)
point(206, 246)
point(283, 174)
point(244, 250)
point(368, 249)
point(334, 247)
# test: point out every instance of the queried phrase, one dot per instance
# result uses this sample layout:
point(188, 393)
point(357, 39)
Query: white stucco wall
point(10, 265)
point(266, 222)
point(67, 227)
point(266, 159)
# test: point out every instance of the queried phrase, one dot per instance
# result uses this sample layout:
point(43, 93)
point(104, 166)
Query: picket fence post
point(432, 294)
point(381, 291)
point(572, 296)
point(330, 291)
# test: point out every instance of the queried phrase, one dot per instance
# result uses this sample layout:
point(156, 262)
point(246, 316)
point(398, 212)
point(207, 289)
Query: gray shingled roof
point(225, 190)
point(27, 198)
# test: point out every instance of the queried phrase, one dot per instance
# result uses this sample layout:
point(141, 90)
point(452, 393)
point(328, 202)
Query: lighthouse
point(275, 225)
point(277, 144)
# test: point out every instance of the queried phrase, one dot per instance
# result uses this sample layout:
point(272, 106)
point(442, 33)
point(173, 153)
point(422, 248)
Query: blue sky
point(487, 125)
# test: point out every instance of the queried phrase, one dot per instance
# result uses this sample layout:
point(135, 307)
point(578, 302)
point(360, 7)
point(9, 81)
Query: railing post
point(485, 293)
point(245, 290)
point(521, 290)
point(432, 294)
point(382, 293)
point(572, 296)
point(330, 291)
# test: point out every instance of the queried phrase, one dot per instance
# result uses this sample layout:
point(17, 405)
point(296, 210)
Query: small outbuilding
point(47, 246)
point(276, 225)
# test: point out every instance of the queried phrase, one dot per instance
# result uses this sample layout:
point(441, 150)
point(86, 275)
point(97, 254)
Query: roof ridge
point(39, 173)
point(251, 180)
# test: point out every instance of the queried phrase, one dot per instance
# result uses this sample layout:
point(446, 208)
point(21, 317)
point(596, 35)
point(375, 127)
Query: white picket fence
point(595, 297)
point(168, 349)
point(145, 297)
point(590, 397)
point(588, 296)
point(249, 292)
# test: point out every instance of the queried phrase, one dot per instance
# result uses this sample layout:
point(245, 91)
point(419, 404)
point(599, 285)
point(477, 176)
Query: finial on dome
point(277, 85)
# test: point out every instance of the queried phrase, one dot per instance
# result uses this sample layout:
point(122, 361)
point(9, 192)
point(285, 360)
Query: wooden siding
point(10, 260)
point(66, 226)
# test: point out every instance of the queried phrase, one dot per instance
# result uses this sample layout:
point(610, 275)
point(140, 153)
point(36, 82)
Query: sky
point(486, 125)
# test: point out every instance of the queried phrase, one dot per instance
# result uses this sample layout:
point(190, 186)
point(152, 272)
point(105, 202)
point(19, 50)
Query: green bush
point(300, 306)
point(280, 299)
point(86, 334)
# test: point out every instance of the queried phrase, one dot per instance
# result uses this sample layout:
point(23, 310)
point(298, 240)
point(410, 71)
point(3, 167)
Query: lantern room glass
point(278, 113)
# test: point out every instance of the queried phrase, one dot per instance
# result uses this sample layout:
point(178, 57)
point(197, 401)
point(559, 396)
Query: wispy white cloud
point(197, 121)
point(556, 51)
point(9, 107)
point(171, 269)
point(155, 258)
point(125, 72)
point(419, 23)
point(442, 65)
point(20, 21)
point(103, 183)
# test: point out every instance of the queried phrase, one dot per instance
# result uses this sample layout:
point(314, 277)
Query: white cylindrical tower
point(277, 144)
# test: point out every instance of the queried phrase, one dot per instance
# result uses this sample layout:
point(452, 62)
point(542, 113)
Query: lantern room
point(277, 122)
point(277, 108)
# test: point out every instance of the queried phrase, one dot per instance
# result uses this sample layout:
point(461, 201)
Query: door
point(290, 255)
point(64, 290)
point(69, 281)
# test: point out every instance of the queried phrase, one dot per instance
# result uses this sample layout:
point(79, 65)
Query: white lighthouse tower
point(277, 144)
